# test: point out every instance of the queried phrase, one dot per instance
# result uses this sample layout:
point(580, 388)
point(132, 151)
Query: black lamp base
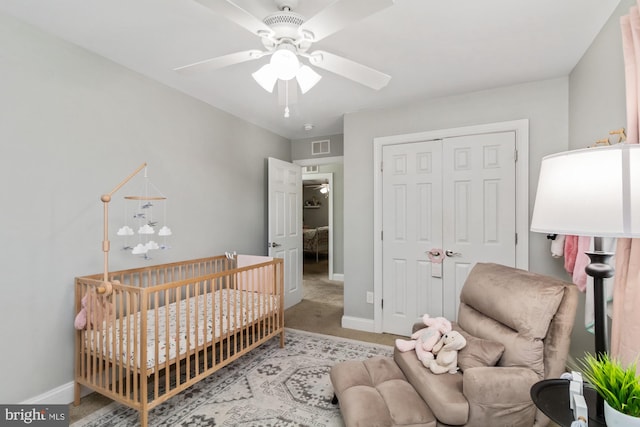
point(599, 269)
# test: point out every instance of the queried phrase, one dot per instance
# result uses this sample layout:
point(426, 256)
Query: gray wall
point(544, 103)
point(72, 126)
point(597, 105)
point(596, 86)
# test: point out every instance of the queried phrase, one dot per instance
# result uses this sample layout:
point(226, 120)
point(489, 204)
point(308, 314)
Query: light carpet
point(271, 386)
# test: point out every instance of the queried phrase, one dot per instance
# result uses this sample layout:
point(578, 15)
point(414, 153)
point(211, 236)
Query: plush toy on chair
point(423, 340)
point(446, 353)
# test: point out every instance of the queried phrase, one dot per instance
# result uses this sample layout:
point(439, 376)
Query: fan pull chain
point(286, 100)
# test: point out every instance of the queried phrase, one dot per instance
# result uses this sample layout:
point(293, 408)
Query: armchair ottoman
point(518, 328)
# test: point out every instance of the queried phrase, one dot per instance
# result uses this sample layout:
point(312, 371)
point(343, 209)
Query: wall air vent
point(320, 147)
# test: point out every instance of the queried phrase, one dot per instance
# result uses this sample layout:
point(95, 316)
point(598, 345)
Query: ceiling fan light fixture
point(307, 78)
point(285, 62)
point(266, 77)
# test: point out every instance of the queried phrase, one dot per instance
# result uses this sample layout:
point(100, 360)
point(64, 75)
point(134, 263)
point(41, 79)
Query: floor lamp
point(591, 192)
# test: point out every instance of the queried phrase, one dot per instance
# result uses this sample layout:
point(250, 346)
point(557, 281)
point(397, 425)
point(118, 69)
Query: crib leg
point(76, 394)
point(282, 339)
point(144, 418)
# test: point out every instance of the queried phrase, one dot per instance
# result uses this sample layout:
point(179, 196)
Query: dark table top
point(552, 398)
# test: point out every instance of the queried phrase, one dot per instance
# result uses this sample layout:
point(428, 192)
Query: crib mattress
point(228, 311)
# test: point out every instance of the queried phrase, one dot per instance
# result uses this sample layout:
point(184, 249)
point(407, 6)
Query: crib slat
point(167, 367)
point(188, 313)
point(156, 346)
point(141, 344)
point(136, 344)
point(205, 317)
point(176, 337)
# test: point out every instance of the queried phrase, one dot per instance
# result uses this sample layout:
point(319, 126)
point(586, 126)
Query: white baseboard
point(61, 395)
point(338, 277)
point(358, 323)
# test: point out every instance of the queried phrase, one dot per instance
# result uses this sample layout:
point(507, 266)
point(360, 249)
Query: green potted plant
point(618, 386)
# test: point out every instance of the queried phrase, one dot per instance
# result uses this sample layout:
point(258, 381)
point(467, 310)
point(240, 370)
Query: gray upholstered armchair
point(518, 328)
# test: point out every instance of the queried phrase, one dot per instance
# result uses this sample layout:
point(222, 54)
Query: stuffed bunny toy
point(423, 340)
point(446, 353)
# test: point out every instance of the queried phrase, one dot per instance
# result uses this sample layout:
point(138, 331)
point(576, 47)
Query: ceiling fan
point(288, 36)
point(322, 186)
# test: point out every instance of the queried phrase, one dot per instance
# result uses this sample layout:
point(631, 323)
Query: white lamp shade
point(266, 77)
point(307, 78)
point(590, 192)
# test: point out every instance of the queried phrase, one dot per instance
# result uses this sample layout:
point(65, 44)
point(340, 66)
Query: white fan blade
point(235, 13)
point(340, 14)
point(220, 61)
point(347, 68)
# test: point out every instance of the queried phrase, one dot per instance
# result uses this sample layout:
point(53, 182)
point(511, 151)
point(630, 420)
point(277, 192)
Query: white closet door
point(455, 195)
point(479, 199)
point(412, 225)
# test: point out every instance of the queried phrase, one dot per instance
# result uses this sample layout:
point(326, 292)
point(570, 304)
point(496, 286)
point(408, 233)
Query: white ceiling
point(430, 48)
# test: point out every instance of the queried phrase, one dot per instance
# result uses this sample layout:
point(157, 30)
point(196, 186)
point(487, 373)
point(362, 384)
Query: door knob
point(452, 253)
point(273, 245)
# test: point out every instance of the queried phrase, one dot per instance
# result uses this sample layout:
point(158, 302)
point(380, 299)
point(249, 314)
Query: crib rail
point(166, 327)
point(171, 272)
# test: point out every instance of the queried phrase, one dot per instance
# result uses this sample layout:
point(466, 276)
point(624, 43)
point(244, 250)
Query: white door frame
point(521, 129)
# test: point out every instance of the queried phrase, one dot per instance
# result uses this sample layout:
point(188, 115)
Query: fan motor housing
point(284, 24)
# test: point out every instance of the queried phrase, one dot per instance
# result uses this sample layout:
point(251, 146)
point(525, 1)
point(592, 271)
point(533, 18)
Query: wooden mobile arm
point(106, 198)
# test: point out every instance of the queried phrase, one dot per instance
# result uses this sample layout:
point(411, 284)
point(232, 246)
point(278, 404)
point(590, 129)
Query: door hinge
point(515, 155)
point(381, 235)
point(516, 238)
point(381, 166)
point(382, 304)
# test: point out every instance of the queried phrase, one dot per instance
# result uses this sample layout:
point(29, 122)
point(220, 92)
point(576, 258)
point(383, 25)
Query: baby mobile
point(140, 212)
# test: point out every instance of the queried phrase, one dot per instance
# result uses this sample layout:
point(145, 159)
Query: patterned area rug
point(271, 386)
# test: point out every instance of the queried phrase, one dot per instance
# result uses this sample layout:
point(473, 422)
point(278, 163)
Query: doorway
point(317, 235)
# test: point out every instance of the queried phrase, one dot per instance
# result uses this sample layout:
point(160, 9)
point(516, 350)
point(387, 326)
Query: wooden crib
point(165, 327)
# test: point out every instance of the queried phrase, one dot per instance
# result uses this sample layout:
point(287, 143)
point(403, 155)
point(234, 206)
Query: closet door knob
point(452, 253)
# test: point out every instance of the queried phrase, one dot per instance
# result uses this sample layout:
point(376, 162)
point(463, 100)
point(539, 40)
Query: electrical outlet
point(370, 297)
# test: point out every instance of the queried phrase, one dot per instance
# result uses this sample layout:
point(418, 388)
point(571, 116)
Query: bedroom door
point(455, 198)
point(285, 224)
